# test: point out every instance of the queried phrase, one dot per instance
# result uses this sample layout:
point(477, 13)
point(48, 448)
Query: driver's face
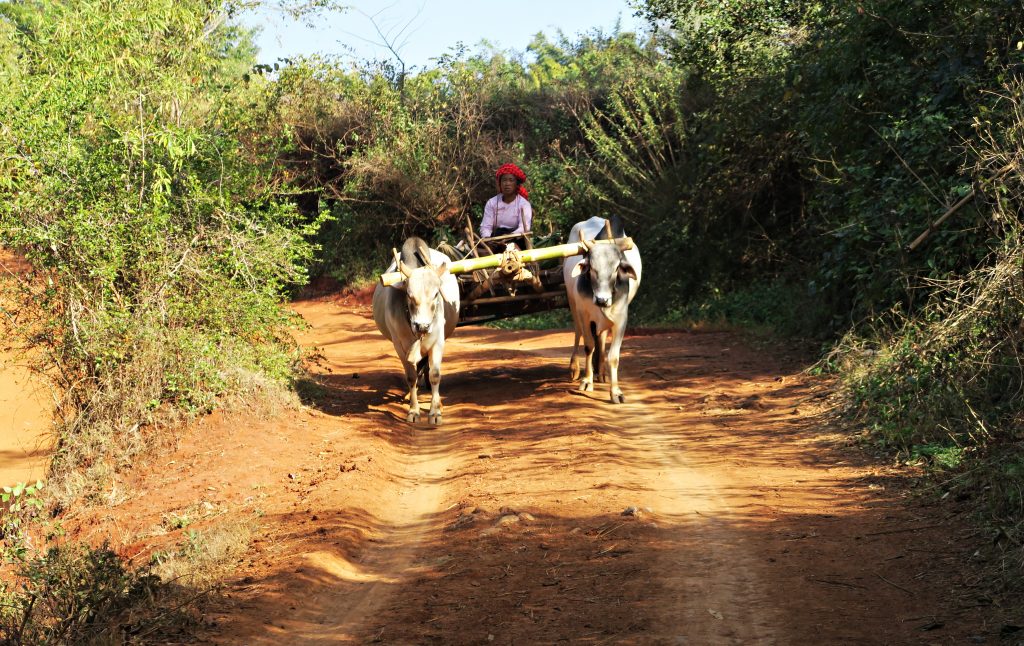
point(508, 184)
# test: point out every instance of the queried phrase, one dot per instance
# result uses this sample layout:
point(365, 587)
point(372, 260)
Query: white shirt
point(498, 214)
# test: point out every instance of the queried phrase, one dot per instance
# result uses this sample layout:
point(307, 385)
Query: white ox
point(417, 315)
point(600, 285)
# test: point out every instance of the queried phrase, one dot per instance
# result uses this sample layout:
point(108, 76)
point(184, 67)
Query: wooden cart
point(505, 276)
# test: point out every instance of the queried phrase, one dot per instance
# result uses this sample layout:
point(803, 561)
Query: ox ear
point(580, 268)
point(626, 270)
point(441, 269)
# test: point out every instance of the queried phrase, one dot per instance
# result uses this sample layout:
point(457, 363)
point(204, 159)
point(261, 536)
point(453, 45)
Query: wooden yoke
point(525, 255)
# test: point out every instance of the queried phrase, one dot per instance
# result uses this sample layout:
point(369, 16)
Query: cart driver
point(507, 212)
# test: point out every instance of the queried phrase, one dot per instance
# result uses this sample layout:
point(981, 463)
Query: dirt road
point(714, 507)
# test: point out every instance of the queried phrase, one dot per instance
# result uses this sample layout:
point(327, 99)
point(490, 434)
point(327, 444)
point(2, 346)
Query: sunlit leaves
point(138, 172)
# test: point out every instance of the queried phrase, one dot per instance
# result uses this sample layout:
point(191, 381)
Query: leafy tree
point(139, 180)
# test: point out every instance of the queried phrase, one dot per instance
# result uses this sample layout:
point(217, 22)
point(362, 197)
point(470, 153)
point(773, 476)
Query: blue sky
point(432, 27)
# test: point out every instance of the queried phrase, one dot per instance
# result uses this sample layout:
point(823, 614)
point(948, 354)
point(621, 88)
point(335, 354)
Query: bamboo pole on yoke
point(526, 255)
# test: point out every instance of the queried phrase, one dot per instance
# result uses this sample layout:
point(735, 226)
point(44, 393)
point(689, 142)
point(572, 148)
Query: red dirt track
point(754, 523)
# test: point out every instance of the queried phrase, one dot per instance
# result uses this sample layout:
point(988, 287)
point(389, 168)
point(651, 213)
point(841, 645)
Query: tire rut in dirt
point(711, 508)
point(712, 586)
point(337, 593)
point(538, 549)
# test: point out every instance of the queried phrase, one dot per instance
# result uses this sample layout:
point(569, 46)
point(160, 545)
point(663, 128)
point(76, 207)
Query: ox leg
point(574, 363)
point(590, 343)
point(601, 362)
point(436, 353)
point(602, 372)
point(612, 360)
point(601, 358)
point(409, 360)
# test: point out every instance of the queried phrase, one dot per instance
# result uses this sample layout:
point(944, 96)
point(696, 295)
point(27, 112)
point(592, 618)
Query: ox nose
point(421, 328)
point(602, 301)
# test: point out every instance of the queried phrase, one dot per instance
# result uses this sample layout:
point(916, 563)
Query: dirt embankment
point(26, 401)
point(24, 421)
point(714, 507)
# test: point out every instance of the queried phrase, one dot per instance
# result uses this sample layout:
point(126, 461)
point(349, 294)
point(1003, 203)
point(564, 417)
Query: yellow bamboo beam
point(526, 255)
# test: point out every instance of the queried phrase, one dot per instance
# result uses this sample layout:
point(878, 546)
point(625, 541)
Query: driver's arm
point(527, 217)
point(487, 224)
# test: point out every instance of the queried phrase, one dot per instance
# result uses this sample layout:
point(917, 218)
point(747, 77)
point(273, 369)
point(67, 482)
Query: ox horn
point(587, 244)
point(404, 268)
point(608, 229)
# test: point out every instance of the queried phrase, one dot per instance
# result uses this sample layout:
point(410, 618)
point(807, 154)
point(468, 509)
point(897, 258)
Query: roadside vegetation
point(775, 161)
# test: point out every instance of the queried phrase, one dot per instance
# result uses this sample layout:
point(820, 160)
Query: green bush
point(553, 320)
point(944, 388)
point(79, 595)
point(949, 377)
point(781, 308)
point(138, 179)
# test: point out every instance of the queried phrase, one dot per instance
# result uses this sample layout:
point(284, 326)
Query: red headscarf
point(514, 171)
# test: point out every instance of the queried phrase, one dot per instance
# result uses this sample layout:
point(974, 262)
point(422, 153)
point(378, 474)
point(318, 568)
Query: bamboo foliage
point(638, 136)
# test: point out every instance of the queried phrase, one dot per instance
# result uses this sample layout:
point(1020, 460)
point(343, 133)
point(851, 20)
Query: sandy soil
point(715, 507)
point(25, 398)
point(24, 421)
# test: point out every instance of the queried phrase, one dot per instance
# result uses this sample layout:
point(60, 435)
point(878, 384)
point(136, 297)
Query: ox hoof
point(435, 419)
point(618, 398)
point(586, 386)
point(412, 417)
point(574, 373)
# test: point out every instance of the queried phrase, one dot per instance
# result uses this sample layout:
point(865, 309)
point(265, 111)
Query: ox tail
point(415, 253)
point(597, 349)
